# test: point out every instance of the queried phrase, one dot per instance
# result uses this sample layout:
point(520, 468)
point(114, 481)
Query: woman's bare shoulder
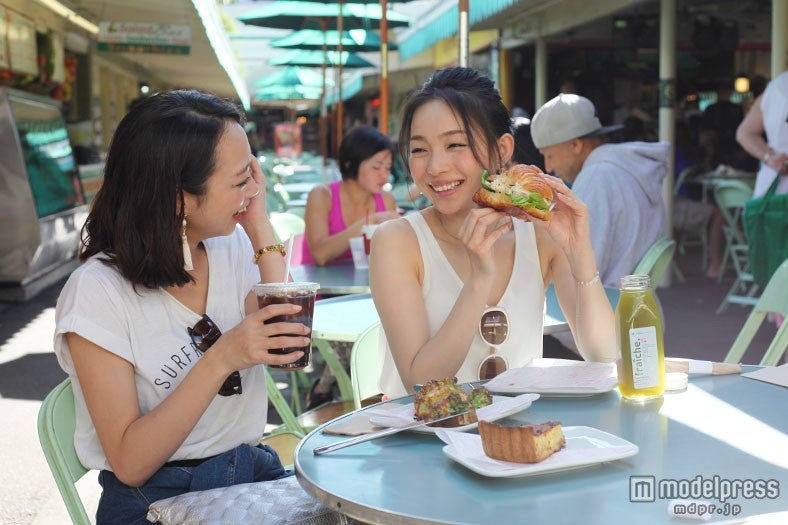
point(396, 230)
point(320, 191)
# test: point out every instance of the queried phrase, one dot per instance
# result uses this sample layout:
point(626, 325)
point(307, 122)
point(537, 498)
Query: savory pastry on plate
point(440, 398)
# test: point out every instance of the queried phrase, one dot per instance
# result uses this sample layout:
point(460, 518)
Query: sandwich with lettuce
point(519, 191)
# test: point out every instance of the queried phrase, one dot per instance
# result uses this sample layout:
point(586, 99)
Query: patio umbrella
point(320, 15)
point(353, 40)
point(384, 56)
point(288, 93)
point(307, 58)
point(324, 16)
point(287, 96)
point(292, 76)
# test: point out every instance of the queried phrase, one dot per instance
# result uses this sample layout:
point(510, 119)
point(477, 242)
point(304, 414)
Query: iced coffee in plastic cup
point(302, 294)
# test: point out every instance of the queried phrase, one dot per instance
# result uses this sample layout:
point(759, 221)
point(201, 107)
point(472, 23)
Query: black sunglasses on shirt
point(204, 334)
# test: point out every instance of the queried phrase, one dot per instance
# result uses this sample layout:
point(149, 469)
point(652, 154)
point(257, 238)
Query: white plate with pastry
point(585, 446)
point(556, 378)
point(501, 407)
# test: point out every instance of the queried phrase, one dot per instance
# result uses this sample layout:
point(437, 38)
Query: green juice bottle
point(641, 361)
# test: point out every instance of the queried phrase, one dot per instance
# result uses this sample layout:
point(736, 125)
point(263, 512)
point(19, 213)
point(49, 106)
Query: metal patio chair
point(731, 197)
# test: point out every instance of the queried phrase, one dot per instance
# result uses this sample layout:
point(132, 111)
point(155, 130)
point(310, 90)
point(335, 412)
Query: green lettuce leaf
point(485, 184)
point(533, 200)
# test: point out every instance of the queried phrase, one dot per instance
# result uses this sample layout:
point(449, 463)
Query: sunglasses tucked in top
point(204, 334)
point(494, 330)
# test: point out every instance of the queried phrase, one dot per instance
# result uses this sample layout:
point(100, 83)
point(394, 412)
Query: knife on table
point(387, 432)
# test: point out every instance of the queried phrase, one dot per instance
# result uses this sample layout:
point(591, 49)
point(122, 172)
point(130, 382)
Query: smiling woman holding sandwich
point(460, 288)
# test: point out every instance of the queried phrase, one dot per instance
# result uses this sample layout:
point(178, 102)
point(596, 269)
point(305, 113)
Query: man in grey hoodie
point(621, 184)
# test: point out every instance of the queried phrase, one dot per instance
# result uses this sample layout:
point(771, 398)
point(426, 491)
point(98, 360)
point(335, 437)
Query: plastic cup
point(366, 231)
point(302, 294)
point(359, 254)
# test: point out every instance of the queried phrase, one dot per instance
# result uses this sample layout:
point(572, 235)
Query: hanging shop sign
point(21, 43)
point(141, 37)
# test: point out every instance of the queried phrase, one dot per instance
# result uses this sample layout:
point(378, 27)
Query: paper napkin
point(776, 375)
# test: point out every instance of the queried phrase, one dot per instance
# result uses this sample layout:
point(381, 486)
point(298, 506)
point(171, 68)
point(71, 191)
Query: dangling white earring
point(187, 253)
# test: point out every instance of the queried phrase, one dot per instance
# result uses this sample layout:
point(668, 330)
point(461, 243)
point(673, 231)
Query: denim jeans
point(122, 504)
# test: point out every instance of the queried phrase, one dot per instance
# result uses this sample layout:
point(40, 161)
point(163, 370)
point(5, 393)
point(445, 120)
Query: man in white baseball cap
point(621, 184)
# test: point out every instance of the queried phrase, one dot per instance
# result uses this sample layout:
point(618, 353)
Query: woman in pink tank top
point(336, 212)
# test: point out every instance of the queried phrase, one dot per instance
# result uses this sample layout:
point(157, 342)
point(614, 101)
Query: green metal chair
point(282, 407)
point(286, 436)
point(687, 237)
point(365, 365)
point(656, 260)
point(731, 197)
point(301, 424)
point(773, 299)
point(286, 224)
point(56, 424)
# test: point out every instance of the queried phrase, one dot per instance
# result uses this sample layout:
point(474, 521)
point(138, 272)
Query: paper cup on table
point(359, 255)
point(302, 294)
point(366, 231)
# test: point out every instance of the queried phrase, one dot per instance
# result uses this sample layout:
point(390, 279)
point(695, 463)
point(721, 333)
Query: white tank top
point(523, 301)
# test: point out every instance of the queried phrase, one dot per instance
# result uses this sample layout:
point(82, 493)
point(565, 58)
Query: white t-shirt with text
point(148, 328)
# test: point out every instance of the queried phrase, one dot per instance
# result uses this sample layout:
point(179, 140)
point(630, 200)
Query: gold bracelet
point(589, 282)
point(280, 248)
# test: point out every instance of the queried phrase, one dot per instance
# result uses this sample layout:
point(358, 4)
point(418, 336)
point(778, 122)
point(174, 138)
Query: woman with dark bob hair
point(336, 212)
point(461, 290)
point(176, 238)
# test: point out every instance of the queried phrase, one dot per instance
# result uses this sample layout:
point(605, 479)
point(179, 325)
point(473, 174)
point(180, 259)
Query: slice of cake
point(521, 443)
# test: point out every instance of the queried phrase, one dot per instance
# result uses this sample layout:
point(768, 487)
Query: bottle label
point(645, 357)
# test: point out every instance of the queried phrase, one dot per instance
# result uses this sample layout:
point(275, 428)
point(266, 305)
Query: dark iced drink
point(302, 294)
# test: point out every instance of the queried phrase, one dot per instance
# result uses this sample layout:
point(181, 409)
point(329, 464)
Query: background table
point(344, 318)
point(338, 278)
point(725, 426)
point(554, 309)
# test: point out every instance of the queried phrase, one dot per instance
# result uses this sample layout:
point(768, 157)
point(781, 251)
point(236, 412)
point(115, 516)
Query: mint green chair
point(56, 424)
point(275, 397)
point(286, 224)
point(686, 237)
point(731, 197)
point(656, 261)
point(365, 365)
point(285, 438)
point(773, 299)
point(301, 424)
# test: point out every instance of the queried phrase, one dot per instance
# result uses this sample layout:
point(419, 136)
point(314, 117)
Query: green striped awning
point(427, 33)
